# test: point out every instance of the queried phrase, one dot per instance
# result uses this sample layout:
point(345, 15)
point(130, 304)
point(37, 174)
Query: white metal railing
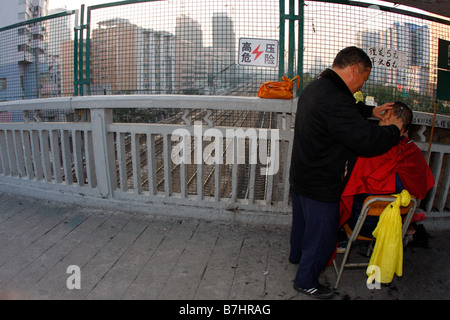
point(195, 166)
point(110, 164)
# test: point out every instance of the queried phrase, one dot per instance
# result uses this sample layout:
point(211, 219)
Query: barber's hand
point(380, 111)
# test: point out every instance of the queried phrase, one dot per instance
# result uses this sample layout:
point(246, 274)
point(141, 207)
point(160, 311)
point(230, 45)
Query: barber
point(331, 129)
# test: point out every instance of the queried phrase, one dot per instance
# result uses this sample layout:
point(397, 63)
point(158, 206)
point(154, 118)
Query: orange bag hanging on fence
point(278, 89)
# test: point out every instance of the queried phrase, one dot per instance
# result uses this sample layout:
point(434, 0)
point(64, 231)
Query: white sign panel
point(426, 119)
point(387, 58)
point(258, 52)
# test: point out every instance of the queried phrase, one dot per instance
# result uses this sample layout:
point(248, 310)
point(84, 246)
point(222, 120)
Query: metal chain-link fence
point(179, 47)
point(210, 48)
point(403, 47)
point(34, 56)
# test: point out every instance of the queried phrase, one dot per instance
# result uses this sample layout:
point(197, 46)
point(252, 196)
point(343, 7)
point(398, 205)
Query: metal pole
point(301, 19)
point(75, 62)
point(291, 38)
point(282, 41)
point(88, 51)
point(80, 48)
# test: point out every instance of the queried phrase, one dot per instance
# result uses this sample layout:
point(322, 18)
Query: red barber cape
point(376, 175)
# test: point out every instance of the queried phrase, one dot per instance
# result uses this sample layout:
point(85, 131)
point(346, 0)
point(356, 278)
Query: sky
point(76, 4)
point(375, 18)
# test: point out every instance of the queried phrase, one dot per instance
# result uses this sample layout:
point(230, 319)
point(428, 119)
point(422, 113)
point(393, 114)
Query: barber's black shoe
point(319, 292)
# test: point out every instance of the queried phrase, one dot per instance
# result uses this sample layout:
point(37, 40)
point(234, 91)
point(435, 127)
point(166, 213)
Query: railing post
point(103, 147)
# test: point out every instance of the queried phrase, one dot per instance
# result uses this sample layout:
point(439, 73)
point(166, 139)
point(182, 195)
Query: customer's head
point(353, 65)
point(402, 111)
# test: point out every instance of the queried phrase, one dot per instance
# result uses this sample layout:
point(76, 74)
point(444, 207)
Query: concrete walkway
point(48, 250)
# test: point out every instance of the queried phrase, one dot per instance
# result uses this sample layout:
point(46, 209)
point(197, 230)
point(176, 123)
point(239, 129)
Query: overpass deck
point(125, 256)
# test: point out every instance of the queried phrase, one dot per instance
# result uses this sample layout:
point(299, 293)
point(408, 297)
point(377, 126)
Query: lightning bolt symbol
point(257, 52)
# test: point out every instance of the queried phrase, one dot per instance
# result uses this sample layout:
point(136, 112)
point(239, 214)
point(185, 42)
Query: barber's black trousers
point(313, 238)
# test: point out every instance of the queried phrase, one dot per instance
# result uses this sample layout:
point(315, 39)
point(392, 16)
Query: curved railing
point(214, 157)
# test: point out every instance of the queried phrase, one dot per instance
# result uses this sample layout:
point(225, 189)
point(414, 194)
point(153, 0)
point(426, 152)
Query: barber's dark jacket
point(330, 131)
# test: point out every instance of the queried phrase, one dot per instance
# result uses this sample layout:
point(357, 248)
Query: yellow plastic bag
point(387, 255)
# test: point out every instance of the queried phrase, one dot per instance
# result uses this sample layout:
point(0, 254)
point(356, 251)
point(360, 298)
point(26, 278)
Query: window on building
point(23, 47)
point(2, 84)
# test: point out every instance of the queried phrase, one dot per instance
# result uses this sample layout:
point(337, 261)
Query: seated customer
point(402, 167)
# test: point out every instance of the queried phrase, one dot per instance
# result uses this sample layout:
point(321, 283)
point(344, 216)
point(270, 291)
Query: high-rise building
point(125, 58)
point(188, 55)
point(25, 66)
point(224, 43)
point(412, 40)
point(190, 30)
point(224, 37)
point(14, 11)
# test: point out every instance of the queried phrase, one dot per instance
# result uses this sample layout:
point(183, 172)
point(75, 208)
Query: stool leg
point(344, 261)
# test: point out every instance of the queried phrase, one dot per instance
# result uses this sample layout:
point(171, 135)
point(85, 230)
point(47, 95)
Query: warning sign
point(258, 52)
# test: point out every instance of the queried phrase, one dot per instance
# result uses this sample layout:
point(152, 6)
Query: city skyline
point(162, 47)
